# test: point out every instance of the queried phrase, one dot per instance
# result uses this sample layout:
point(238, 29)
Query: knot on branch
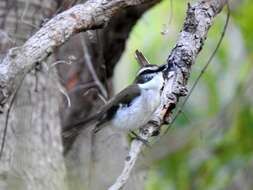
point(180, 90)
point(3, 97)
point(172, 98)
point(191, 23)
point(186, 57)
point(13, 52)
point(152, 128)
point(181, 57)
point(186, 73)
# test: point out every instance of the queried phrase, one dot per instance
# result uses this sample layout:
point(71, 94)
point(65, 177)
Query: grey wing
point(107, 111)
point(123, 98)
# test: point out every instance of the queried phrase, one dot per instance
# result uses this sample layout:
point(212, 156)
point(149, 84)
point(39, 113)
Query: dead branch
point(198, 20)
point(87, 59)
point(82, 17)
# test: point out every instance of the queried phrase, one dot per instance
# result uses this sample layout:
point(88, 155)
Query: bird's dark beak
point(162, 67)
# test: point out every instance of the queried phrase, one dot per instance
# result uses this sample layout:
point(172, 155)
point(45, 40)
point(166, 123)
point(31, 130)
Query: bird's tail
point(70, 132)
point(74, 129)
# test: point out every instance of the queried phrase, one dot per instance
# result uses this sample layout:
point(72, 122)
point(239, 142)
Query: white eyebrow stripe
point(154, 68)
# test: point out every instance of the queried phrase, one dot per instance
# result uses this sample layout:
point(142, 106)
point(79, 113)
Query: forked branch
point(80, 18)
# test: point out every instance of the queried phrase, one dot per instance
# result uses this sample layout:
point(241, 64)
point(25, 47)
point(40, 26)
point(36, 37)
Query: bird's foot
point(137, 137)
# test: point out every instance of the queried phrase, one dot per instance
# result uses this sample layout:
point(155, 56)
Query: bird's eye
point(144, 78)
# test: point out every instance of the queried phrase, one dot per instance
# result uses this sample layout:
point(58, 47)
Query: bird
point(131, 108)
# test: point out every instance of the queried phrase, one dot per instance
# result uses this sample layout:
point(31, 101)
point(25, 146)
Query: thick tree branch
point(83, 17)
point(198, 20)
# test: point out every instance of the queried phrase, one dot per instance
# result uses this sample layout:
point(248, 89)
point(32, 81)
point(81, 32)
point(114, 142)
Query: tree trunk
point(32, 156)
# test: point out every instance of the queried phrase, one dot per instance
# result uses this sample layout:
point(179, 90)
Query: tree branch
point(82, 17)
point(198, 20)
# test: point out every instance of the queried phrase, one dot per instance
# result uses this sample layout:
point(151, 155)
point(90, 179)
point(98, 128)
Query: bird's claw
point(137, 137)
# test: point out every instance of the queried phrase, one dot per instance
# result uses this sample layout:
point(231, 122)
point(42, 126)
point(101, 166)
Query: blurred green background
point(216, 128)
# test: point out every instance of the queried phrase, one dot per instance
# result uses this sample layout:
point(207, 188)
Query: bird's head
point(150, 76)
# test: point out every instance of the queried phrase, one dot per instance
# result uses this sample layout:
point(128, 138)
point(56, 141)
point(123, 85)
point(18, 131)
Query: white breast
point(139, 112)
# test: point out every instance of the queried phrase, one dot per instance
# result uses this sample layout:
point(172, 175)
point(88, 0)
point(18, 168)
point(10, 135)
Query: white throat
point(155, 84)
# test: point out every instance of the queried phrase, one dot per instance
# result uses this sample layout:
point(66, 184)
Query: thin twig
point(136, 147)
point(59, 62)
point(65, 94)
point(6, 126)
point(91, 69)
point(5, 34)
point(166, 26)
point(59, 86)
point(7, 119)
point(102, 98)
point(102, 94)
point(79, 87)
point(101, 59)
point(24, 14)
